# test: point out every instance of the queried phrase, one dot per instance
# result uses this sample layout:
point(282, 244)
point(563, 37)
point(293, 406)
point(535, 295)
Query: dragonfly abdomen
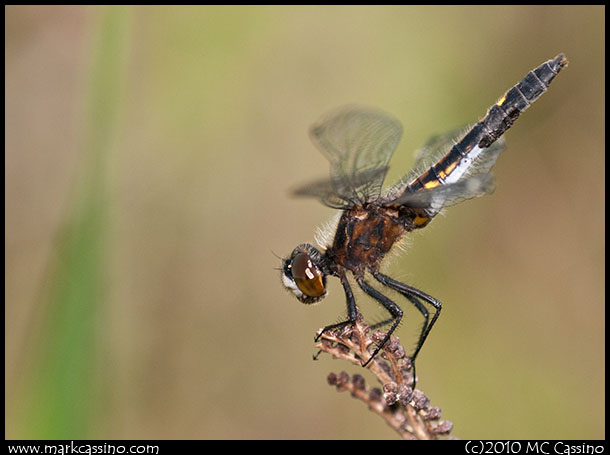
point(503, 114)
point(499, 118)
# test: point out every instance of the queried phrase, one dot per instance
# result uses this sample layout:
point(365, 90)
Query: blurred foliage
point(149, 151)
point(59, 389)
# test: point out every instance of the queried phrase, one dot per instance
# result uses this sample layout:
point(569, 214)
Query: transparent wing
point(435, 199)
point(324, 189)
point(475, 181)
point(359, 143)
point(437, 147)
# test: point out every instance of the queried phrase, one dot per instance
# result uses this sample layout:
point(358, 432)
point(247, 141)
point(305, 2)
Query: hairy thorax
point(365, 234)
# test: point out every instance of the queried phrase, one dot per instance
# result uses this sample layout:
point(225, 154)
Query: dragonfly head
point(303, 274)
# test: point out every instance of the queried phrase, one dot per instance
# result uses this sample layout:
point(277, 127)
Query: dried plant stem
point(406, 410)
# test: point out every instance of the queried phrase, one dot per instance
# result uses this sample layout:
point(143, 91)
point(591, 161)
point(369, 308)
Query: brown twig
point(406, 410)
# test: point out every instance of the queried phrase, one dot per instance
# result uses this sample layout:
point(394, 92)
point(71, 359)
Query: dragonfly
point(359, 142)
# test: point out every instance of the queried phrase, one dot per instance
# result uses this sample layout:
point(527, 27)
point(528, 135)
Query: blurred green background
point(149, 154)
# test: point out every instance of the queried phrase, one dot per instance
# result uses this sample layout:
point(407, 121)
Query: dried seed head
point(399, 352)
point(407, 363)
point(375, 394)
point(443, 427)
point(420, 401)
point(377, 336)
point(407, 377)
point(433, 413)
point(405, 393)
point(393, 344)
point(390, 398)
point(358, 382)
point(343, 378)
point(389, 387)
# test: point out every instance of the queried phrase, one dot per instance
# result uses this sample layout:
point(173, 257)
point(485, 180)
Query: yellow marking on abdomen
point(501, 101)
point(450, 168)
point(432, 184)
point(420, 220)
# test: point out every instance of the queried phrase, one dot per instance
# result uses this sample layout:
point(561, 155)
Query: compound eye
point(307, 275)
